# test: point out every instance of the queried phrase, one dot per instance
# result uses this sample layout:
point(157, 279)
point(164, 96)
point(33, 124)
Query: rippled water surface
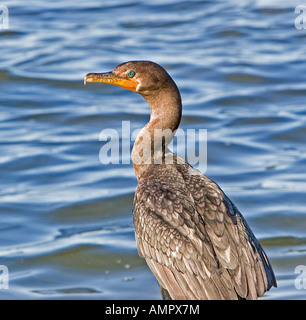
point(66, 228)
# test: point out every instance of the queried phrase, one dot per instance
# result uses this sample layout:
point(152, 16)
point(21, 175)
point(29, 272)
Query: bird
point(191, 235)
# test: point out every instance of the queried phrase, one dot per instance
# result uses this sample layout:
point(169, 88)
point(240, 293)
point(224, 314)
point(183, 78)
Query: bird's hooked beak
point(117, 80)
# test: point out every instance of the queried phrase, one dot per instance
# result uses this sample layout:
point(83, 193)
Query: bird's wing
point(194, 239)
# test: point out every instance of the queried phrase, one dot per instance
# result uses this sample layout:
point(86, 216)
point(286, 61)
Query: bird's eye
point(131, 74)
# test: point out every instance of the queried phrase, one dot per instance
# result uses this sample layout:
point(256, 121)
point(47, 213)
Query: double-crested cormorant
point(193, 238)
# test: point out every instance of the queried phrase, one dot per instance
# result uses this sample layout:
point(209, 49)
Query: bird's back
point(194, 239)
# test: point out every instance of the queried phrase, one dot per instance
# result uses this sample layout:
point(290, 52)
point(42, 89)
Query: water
point(66, 227)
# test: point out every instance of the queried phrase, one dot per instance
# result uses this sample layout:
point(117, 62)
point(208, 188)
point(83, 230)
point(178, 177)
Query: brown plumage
point(193, 238)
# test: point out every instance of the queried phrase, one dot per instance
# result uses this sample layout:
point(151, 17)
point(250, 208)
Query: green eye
point(131, 74)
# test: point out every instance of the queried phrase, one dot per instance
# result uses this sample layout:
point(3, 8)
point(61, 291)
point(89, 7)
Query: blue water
point(66, 229)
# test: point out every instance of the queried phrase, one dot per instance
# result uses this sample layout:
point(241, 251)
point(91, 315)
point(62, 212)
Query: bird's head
point(143, 77)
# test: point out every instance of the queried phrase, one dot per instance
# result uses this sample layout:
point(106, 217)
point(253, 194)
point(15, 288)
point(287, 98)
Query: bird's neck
point(150, 146)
